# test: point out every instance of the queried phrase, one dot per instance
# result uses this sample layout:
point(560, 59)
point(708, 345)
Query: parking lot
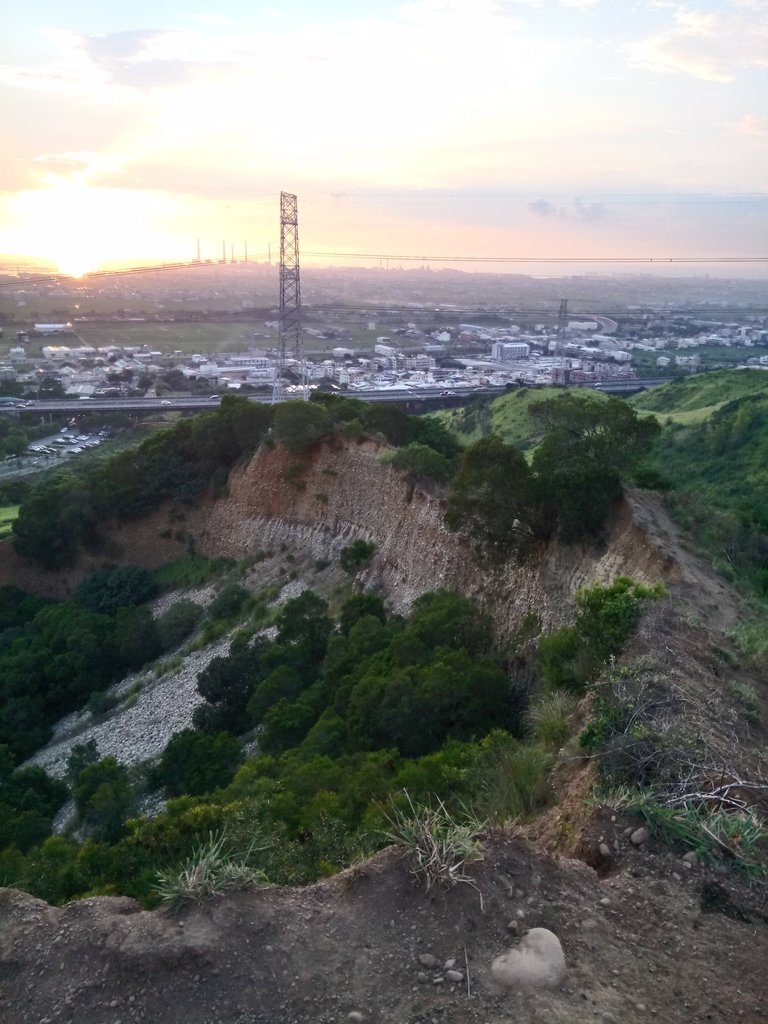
point(48, 451)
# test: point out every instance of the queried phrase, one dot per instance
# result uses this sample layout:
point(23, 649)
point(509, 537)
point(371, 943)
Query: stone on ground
point(537, 962)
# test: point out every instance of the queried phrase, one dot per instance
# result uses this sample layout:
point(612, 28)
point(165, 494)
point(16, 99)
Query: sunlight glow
point(81, 228)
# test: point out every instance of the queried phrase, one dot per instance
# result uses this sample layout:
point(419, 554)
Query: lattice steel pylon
point(559, 371)
point(290, 286)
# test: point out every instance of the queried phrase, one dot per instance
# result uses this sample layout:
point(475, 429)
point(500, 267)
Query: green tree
point(197, 763)
point(494, 500)
point(299, 425)
point(588, 448)
point(106, 590)
point(104, 798)
point(359, 606)
point(419, 461)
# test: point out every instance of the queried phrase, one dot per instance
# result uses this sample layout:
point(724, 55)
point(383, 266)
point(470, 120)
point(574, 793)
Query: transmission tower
point(290, 286)
point(559, 371)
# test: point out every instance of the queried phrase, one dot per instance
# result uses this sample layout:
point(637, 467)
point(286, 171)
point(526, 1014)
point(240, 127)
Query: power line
point(539, 259)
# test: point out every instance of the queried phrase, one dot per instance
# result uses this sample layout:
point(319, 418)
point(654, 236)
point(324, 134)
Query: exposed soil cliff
point(322, 499)
point(335, 493)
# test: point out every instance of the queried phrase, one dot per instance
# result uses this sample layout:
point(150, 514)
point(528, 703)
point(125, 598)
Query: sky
point(481, 129)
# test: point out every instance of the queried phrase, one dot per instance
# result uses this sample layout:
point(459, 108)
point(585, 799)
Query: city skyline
point(435, 128)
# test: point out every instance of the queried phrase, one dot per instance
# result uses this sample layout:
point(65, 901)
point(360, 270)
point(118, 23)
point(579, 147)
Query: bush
point(561, 661)
point(228, 602)
point(106, 590)
point(419, 460)
point(356, 556)
point(571, 656)
point(177, 623)
point(196, 763)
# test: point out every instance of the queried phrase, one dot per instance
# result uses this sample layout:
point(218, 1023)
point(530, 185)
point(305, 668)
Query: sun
point(75, 264)
point(81, 228)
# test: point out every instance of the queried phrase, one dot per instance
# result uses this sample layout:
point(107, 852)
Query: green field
point(693, 399)
point(8, 514)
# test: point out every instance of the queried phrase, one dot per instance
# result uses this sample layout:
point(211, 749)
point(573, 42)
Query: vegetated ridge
point(364, 946)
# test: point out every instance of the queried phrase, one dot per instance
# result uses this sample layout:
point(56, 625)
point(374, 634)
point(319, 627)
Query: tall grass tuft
point(438, 846)
point(210, 871)
point(548, 718)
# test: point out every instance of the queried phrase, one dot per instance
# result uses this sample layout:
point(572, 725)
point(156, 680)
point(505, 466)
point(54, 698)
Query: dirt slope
point(654, 941)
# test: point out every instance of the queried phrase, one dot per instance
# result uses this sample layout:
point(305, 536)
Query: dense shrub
point(106, 590)
point(196, 763)
point(176, 624)
point(419, 460)
point(571, 656)
point(356, 556)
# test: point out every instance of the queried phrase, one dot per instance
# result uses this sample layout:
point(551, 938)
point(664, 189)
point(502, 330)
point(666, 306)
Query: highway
point(198, 403)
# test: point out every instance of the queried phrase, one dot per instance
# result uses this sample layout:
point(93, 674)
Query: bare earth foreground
point(654, 940)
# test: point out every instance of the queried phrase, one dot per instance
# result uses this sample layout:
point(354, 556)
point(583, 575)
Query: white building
point(505, 351)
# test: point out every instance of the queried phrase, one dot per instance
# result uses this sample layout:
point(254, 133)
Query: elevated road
point(196, 403)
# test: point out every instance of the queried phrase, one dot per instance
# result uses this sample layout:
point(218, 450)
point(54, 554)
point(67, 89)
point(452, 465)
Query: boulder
point(537, 962)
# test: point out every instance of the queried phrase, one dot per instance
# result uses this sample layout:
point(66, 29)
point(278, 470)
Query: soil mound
point(648, 942)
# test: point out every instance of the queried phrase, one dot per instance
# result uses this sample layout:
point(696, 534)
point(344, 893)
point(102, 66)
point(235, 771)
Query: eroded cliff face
point(321, 500)
point(335, 493)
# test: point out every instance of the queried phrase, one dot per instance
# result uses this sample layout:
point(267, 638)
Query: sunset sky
point(514, 128)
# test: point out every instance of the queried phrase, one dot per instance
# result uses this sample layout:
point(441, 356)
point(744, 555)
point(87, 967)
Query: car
point(166, 402)
point(214, 398)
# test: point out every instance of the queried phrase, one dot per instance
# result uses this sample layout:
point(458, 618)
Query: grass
point(749, 701)
point(438, 846)
point(693, 399)
point(210, 871)
point(192, 571)
point(8, 514)
point(512, 779)
point(549, 716)
point(739, 836)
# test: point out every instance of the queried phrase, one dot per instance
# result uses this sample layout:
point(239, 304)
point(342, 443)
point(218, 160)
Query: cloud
point(714, 46)
point(585, 213)
point(752, 125)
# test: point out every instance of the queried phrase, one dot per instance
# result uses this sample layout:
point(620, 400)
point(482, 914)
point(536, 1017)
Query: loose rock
point(605, 850)
point(454, 975)
point(639, 836)
point(537, 962)
point(427, 960)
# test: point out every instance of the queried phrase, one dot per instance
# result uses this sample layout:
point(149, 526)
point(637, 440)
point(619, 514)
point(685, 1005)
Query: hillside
point(692, 400)
point(321, 705)
point(507, 416)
